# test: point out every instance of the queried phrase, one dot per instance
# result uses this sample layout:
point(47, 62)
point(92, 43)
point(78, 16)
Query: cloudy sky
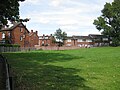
point(75, 17)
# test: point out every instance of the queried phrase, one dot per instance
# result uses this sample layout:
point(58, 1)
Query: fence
point(16, 49)
point(58, 48)
point(9, 49)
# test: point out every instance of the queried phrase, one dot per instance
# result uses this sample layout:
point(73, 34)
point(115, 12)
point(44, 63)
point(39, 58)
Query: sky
point(75, 17)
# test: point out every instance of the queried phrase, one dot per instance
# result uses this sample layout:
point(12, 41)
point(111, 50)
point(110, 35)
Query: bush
point(9, 45)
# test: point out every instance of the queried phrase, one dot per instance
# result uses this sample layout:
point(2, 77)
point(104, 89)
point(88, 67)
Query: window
point(105, 39)
point(88, 40)
point(69, 40)
point(21, 29)
point(3, 35)
point(42, 42)
point(21, 38)
point(9, 34)
point(79, 40)
point(84, 40)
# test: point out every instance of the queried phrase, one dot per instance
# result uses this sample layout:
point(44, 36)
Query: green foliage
point(9, 45)
point(109, 21)
point(82, 69)
point(9, 10)
point(61, 36)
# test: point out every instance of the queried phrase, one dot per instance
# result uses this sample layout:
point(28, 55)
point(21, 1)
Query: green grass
point(83, 69)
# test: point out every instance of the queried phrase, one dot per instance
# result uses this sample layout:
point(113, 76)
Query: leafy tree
point(9, 11)
point(109, 21)
point(60, 36)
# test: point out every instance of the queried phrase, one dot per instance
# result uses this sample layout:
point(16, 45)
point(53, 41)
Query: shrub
point(9, 45)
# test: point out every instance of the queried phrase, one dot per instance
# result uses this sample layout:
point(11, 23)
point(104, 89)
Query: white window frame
point(21, 38)
point(21, 29)
point(69, 40)
point(88, 40)
point(3, 35)
point(79, 40)
point(105, 39)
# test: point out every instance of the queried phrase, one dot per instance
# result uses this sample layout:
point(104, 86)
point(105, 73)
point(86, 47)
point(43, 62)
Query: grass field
point(83, 69)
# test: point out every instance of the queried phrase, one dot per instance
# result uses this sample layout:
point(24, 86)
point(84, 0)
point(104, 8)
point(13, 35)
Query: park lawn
point(82, 69)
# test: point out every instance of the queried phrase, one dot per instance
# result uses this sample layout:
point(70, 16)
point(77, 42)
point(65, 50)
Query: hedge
point(9, 45)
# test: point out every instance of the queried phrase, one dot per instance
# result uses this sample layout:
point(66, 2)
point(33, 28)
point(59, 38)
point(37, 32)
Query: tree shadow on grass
point(49, 77)
point(31, 74)
point(45, 57)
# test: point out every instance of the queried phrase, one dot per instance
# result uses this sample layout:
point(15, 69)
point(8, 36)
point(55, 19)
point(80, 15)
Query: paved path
point(2, 74)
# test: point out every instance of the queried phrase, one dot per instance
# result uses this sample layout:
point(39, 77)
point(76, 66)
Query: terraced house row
point(19, 34)
point(92, 40)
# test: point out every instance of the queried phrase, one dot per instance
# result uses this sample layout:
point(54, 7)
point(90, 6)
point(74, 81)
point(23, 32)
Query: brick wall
point(33, 38)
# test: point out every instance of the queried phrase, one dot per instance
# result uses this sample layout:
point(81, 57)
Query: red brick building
point(46, 40)
point(81, 41)
point(18, 34)
point(87, 41)
point(33, 38)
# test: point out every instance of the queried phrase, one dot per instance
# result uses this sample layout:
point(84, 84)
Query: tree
point(109, 21)
point(60, 36)
point(9, 11)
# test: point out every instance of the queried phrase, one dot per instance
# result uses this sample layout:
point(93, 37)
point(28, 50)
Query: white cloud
point(74, 16)
point(55, 3)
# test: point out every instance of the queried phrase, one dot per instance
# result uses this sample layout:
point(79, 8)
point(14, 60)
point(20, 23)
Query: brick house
point(18, 34)
point(46, 40)
point(99, 40)
point(81, 41)
point(33, 38)
point(87, 41)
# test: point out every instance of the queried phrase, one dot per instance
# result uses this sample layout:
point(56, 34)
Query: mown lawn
point(83, 69)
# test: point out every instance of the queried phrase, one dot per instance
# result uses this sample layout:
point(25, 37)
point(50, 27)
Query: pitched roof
point(81, 37)
point(97, 36)
point(45, 37)
point(69, 37)
point(14, 26)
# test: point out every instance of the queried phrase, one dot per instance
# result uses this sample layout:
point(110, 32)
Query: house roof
point(78, 37)
point(14, 26)
point(69, 37)
point(81, 37)
point(97, 36)
point(45, 37)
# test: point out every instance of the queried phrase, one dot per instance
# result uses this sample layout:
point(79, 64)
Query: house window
point(105, 39)
point(9, 34)
point(79, 40)
point(84, 40)
point(21, 29)
point(88, 40)
point(69, 40)
point(3, 35)
point(42, 42)
point(21, 38)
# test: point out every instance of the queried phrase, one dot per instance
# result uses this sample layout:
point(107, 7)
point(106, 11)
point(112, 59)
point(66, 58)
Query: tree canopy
point(9, 11)
point(61, 36)
point(109, 21)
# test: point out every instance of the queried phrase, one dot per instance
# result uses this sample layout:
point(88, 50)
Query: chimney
point(31, 31)
point(50, 34)
point(36, 32)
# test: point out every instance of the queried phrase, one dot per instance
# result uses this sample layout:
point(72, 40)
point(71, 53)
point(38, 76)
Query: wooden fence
point(16, 49)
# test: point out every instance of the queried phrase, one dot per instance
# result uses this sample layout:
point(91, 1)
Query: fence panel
point(9, 49)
